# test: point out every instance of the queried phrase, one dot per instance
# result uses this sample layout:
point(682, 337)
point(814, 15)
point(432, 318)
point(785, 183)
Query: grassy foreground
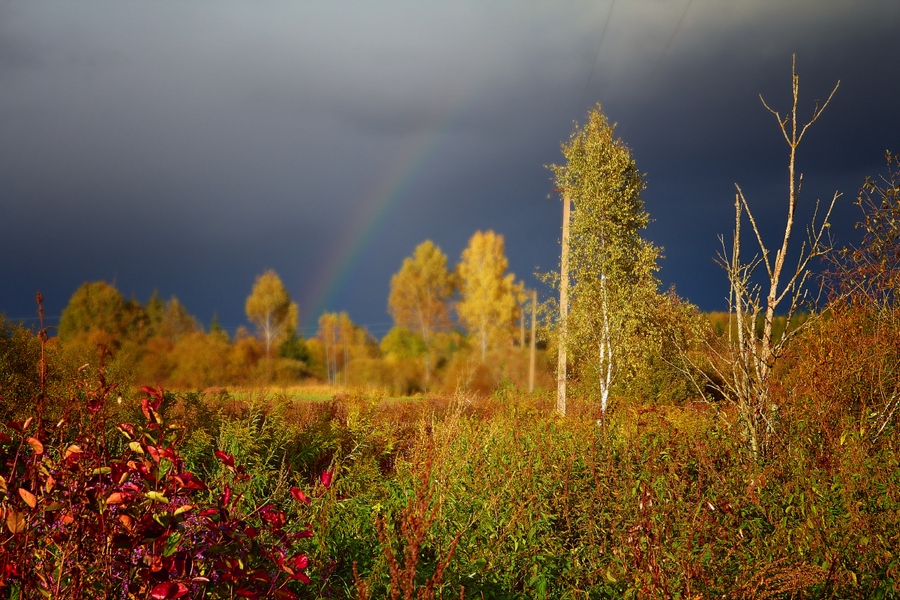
point(499, 498)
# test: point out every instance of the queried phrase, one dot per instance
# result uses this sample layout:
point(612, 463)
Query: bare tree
point(753, 355)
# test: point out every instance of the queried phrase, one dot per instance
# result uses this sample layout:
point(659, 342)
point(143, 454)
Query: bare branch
point(762, 246)
point(819, 110)
point(782, 123)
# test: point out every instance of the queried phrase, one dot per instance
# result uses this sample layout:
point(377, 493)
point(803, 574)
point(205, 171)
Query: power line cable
point(669, 44)
point(596, 57)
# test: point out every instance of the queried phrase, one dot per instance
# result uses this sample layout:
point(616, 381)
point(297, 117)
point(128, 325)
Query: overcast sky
point(187, 147)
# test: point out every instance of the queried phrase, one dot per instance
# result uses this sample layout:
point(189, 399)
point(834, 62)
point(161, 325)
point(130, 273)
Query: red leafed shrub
point(118, 516)
point(846, 373)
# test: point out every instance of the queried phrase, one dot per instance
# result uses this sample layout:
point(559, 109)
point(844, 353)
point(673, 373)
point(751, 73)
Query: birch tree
point(612, 285)
point(269, 307)
point(342, 341)
point(420, 296)
point(489, 297)
point(176, 322)
point(783, 290)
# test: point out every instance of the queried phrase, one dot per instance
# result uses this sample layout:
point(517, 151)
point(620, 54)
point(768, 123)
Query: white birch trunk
point(606, 351)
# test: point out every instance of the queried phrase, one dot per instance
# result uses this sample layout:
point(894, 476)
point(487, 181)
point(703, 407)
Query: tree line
point(450, 326)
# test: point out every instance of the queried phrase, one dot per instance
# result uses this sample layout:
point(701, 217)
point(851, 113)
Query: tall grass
point(499, 498)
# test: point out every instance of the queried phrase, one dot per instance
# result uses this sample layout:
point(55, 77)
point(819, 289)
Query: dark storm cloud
point(189, 146)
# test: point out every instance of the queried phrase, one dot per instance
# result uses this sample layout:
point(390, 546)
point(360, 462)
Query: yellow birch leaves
point(269, 307)
point(421, 292)
point(489, 297)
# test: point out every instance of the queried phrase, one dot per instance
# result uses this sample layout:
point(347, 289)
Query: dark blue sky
point(189, 146)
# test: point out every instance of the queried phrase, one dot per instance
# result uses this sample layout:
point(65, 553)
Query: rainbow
point(379, 203)
point(384, 196)
point(371, 214)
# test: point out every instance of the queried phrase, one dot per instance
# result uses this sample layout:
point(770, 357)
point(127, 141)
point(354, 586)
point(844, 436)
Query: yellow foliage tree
point(269, 307)
point(97, 307)
point(489, 298)
point(611, 267)
point(420, 295)
point(200, 360)
point(342, 341)
point(175, 321)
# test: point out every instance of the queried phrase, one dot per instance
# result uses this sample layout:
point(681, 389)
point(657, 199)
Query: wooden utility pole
point(532, 357)
point(563, 309)
point(522, 327)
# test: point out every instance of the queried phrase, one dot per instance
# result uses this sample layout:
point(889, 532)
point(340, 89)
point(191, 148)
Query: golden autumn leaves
point(489, 297)
point(422, 292)
point(269, 307)
point(611, 267)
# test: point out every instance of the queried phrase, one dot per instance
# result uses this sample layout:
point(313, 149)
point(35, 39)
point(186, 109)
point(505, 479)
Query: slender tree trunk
point(755, 355)
point(427, 367)
point(333, 356)
point(563, 309)
point(425, 330)
point(522, 328)
point(743, 359)
point(606, 351)
point(531, 358)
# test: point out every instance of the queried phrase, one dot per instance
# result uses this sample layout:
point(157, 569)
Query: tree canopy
point(96, 306)
point(420, 295)
point(269, 307)
point(176, 321)
point(489, 297)
point(611, 267)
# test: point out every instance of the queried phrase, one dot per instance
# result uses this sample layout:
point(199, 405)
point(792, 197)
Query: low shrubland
point(479, 497)
point(119, 492)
